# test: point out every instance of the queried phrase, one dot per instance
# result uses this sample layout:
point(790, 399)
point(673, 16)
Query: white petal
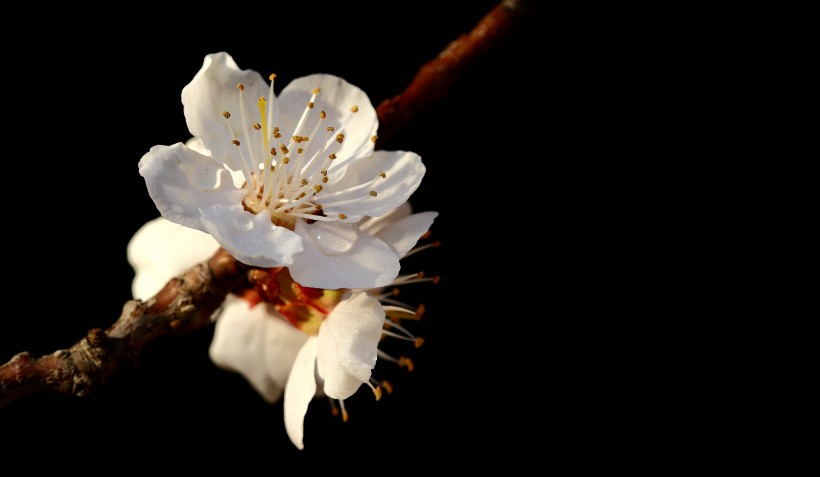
point(336, 97)
point(338, 255)
point(181, 181)
point(403, 170)
point(300, 390)
point(196, 144)
point(161, 250)
point(403, 234)
point(348, 340)
point(372, 225)
point(256, 343)
point(212, 92)
point(252, 239)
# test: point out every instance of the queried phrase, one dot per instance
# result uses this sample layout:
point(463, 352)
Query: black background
point(88, 101)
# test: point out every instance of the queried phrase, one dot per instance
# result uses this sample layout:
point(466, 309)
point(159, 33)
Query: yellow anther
point(354, 109)
point(331, 156)
point(374, 138)
point(396, 291)
point(345, 415)
point(406, 363)
point(276, 129)
point(318, 206)
point(310, 104)
point(420, 311)
point(322, 114)
point(373, 193)
point(340, 138)
point(334, 411)
point(317, 188)
point(226, 115)
point(382, 175)
point(261, 102)
point(342, 216)
point(272, 76)
point(240, 86)
point(330, 129)
point(418, 342)
point(300, 150)
point(387, 387)
point(235, 142)
point(324, 180)
point(304, 182)
point(316, 90)
point(302, 195)
point(284, 149)
point(436, 279)
point(273, 151)
point(420, 275)
point(425, 235)
point(378, 392)
point(257, 126)
point(323, 172)
point(285, 160)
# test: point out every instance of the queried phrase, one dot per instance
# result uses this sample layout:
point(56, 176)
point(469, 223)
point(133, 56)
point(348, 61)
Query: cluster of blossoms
point(291, 184)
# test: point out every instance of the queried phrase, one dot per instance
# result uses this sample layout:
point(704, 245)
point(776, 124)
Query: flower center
point(304, 307)
point(286, 177)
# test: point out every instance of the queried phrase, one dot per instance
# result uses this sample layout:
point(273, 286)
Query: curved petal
point(252, 239)
point(299, 392)
point(161, 250)
point(348, 341)
point(256, 343)
point(403, 234)
point(403, 173)
point(212, 92)
point(338, 255)
point(181, 181)
point(337, 98)
point(372, 225)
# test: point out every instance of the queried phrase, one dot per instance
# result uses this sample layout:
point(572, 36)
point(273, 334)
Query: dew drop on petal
point(333, 240)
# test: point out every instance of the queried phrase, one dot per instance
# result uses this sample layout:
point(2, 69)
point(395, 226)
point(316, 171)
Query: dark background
point(88, 100)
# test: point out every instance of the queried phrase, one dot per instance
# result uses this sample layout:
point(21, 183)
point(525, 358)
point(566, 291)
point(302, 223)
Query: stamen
point(345, 416)
point(405, 362)
point(374, 138)
point(376, 391)
point(354, 109)
point(416, 250)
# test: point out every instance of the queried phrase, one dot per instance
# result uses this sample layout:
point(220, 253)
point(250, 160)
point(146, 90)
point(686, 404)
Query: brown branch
point(184, 305)
point(435, 78)
point(187, 302)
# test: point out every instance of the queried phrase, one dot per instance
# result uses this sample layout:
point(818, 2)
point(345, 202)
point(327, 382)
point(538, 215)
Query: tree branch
point(187, 302)
point(184, 305)
point(435, 79)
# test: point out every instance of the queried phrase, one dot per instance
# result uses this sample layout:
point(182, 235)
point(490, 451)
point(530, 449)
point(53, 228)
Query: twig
point(187, 302)
point(435, 79)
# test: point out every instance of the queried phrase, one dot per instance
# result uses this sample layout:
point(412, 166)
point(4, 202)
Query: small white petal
point(372, 225)
point(181, 181)
point(348, 340)
point(299, 391)
point(404, 171)
point(403, 234)
point(252, 239)
point(256, 343)
point(338, 255)
point(161, 250)
point(337, 98)
point(212, 92)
